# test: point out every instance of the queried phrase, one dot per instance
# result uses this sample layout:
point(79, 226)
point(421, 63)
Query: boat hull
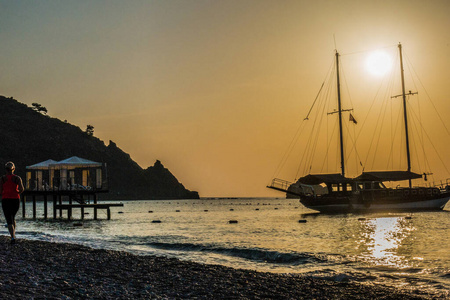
point(350, 205)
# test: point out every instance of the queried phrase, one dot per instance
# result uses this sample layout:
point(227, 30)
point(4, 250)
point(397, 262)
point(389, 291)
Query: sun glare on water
point(378, 63)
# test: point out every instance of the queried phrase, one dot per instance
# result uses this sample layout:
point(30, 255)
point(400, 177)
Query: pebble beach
point(45, 270)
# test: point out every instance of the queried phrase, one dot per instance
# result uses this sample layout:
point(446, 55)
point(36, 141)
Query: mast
point(405, 115)
point(341, 138)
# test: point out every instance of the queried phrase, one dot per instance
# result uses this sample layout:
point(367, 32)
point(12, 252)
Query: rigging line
point(370, 109)
point(353, 143)
point(413, 141)
point(307, 116)
point(393, 129)
point(307, 147)
point(325, 161)
point(383, 114)
point(319, 112)
point(371, 106)
point(315, 141)
point(295, 138)
point(432, 144)
point(429, 98)
point(373, 136)
point(419, 132)
point(289, 149)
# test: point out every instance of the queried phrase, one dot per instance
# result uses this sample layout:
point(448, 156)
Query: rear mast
point(405, 114)
point(341, 137)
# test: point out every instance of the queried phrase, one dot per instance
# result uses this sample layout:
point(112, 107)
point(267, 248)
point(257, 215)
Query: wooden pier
point(69, 184)
point(74, 199)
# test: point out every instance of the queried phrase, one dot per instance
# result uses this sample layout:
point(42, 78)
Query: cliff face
point(28, 137)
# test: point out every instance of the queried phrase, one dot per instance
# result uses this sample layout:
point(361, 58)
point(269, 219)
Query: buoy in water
point(77, 224)
point(257, 209)
point(156, 221)
point(233, 222)
point(408, 218)
point(120, 212)
point(150, 211)
point(177, 210)
point(231, 209)
point(361, 219)
point(302, 221)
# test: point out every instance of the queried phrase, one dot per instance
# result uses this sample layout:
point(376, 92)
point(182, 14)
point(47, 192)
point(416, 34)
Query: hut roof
point(76, 162)
point(69, 163)
point(43, 165)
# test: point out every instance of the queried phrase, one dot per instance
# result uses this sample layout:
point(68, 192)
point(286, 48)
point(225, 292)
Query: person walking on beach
point(11, 187)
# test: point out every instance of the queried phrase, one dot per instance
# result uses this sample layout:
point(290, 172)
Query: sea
point(410, 251)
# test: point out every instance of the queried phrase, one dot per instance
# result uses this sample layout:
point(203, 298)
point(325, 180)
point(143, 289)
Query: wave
point(255, 254)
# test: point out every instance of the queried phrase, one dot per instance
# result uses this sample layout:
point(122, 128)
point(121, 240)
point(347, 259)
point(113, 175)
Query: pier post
point(45, 206)
point(108, 213)
point(95, 208)
point(23, 206)
point(60, 203)
point(69, 210)
point(54, 206)
point(34, 207)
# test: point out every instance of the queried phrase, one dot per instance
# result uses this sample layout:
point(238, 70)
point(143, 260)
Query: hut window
point(98, 178)
point(72, 177)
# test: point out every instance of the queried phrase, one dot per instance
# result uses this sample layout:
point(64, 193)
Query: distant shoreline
point(31, 269)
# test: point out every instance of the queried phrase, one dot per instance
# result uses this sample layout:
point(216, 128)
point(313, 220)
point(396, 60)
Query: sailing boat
point(367, 192)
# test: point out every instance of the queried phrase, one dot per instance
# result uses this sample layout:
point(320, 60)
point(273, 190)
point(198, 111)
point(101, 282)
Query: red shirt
point(10, 188)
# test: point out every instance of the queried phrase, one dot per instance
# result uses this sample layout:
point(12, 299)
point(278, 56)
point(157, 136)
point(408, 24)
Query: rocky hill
point(28, 137)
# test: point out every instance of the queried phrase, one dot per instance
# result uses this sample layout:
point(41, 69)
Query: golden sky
point(214, 89)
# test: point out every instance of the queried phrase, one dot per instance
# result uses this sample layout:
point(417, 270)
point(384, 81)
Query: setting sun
point(378, 63)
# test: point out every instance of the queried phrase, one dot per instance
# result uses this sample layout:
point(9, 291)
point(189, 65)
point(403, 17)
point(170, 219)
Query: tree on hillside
point(39, 108)
point(90, 130)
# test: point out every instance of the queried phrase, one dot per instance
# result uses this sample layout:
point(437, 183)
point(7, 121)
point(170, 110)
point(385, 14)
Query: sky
point(214, 89)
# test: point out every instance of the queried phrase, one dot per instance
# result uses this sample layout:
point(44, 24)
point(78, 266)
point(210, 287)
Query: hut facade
point(73, 173)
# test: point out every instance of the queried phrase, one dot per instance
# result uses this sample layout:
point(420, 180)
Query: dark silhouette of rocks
point(28, 137)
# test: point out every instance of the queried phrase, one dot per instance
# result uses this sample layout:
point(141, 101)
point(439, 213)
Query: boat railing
point(280, 184)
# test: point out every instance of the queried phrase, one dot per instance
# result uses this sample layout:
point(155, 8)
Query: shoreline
point(50, 270)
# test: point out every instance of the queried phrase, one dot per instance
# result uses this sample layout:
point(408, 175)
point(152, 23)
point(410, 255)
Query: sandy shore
point(33, 269)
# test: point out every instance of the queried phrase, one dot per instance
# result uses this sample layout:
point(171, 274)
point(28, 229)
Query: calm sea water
point(409, 251)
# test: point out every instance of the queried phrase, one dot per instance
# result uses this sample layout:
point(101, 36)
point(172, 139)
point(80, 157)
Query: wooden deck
point(75, 199)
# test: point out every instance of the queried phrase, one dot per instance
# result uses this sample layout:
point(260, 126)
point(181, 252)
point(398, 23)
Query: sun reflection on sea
point(382, 240)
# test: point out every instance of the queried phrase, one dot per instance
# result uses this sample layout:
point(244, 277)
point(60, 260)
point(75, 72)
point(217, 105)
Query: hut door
point(39, 180)
point(63, 176)
point(98, 177)
point(85, 177)
point(51, 175)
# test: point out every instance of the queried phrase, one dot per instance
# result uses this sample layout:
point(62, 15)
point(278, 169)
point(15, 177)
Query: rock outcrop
point(28, 137)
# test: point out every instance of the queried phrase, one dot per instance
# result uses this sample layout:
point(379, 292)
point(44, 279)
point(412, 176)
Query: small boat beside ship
point(336, 193)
